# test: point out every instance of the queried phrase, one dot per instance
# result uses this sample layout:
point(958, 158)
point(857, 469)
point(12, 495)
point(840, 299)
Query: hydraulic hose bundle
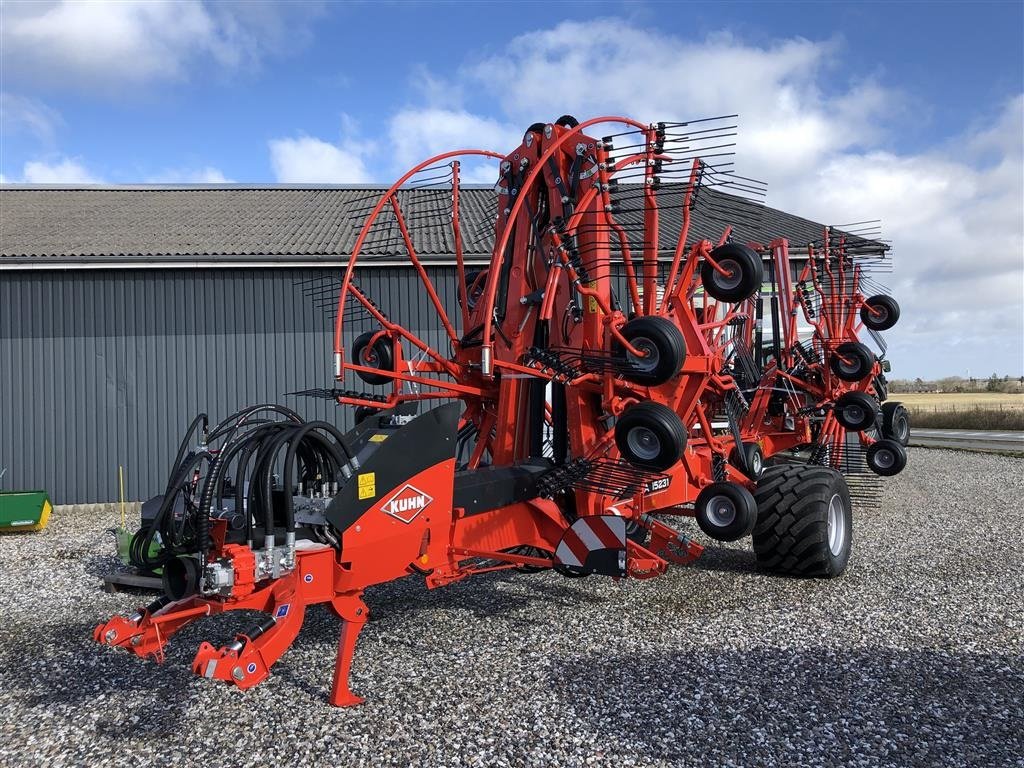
point(247, 456)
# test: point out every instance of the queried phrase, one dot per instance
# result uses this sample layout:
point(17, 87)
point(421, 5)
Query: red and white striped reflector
point(590, 534)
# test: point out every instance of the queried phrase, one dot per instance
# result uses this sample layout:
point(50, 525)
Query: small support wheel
point(804, 521)
point(896, 422)
point(650, 435)
point(726, 511)
point(750, 458)
point(856, 411)
point(378, 355)
point(663, 346)
point(852, 361)
point(474, 287)
point(880, 313)
point(886, 457)
point(744, 269)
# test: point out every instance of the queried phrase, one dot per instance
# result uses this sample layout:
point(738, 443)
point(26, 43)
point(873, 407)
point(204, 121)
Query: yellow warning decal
point(367, 485)
point(378, 438)
point(592, 305)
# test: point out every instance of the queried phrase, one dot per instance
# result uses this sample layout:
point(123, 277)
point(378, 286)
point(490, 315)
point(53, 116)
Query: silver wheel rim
point(884, 458)
point(756, 463)
point(854, 414)
point(880, 315)
point(836, 525)
point(721, 511)
point(651, 358)
point(902, 429)
point(735, 274)
point(848, 368)
point(643, 443)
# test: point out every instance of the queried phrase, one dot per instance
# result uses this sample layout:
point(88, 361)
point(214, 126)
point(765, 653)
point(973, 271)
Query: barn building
point(124, 311)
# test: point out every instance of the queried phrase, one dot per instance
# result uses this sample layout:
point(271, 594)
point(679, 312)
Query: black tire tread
point(890, 410)
point(753, 276)
point(891, 305)
point(657, 415)
point(788, 539)
point(664, 333)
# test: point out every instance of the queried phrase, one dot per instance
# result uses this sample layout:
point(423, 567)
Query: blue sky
point(910, 112)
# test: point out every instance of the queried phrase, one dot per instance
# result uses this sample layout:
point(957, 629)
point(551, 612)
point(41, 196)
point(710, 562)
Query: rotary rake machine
point(588, 365)
point(819, 366)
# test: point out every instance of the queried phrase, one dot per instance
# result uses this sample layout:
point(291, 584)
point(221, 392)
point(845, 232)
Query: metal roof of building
point(229, 225)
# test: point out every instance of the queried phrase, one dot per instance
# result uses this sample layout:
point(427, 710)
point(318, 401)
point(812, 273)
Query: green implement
point(24, 510)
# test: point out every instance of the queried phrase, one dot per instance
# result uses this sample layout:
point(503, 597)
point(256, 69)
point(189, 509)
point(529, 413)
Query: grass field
point(972, 410)
point(953, 400)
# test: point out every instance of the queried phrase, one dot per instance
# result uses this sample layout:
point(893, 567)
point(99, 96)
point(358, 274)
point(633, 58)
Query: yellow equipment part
point(22, 511)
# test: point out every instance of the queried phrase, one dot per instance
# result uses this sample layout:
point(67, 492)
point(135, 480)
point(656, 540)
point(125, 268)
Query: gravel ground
point(914, 657)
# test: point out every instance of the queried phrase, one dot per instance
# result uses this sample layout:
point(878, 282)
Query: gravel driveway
point(914, 657)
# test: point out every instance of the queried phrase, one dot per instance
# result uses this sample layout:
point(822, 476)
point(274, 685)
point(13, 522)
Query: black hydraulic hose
point(339, 438)
point(250, 448)
point(330, 450)
point(295, 440)
point(141, 542)
point(318, 457)
point(184, 463)
point(262, 480)
point(267, 462)
point(242, 417)
point(203, 419)
point(249, 443)
point(240, 453)
point(230, 427)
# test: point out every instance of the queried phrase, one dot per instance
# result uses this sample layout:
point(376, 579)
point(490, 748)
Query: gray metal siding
point(103, 368)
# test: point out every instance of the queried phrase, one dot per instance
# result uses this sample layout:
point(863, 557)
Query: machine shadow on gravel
point(483, 598)
point(102, 565)
point(806, 707)
point(69, 680)
point(726, 559)
point(159, 696)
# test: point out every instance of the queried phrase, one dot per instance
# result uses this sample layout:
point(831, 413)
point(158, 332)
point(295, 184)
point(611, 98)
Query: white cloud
point(956, 219)
point(206, 175)
point(307, 160)
point(954, 211)
point(62, 171)
point(788, 123)
point(21, 114)
point(129, 42)
point(109, 45)
point(417, 134)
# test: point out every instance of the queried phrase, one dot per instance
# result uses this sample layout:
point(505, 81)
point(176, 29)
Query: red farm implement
point(595, 357)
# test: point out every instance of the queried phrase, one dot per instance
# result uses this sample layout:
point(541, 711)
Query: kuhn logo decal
point(406, 504)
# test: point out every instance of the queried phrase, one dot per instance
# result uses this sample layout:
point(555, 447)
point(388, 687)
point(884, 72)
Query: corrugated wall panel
point(102, 368)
